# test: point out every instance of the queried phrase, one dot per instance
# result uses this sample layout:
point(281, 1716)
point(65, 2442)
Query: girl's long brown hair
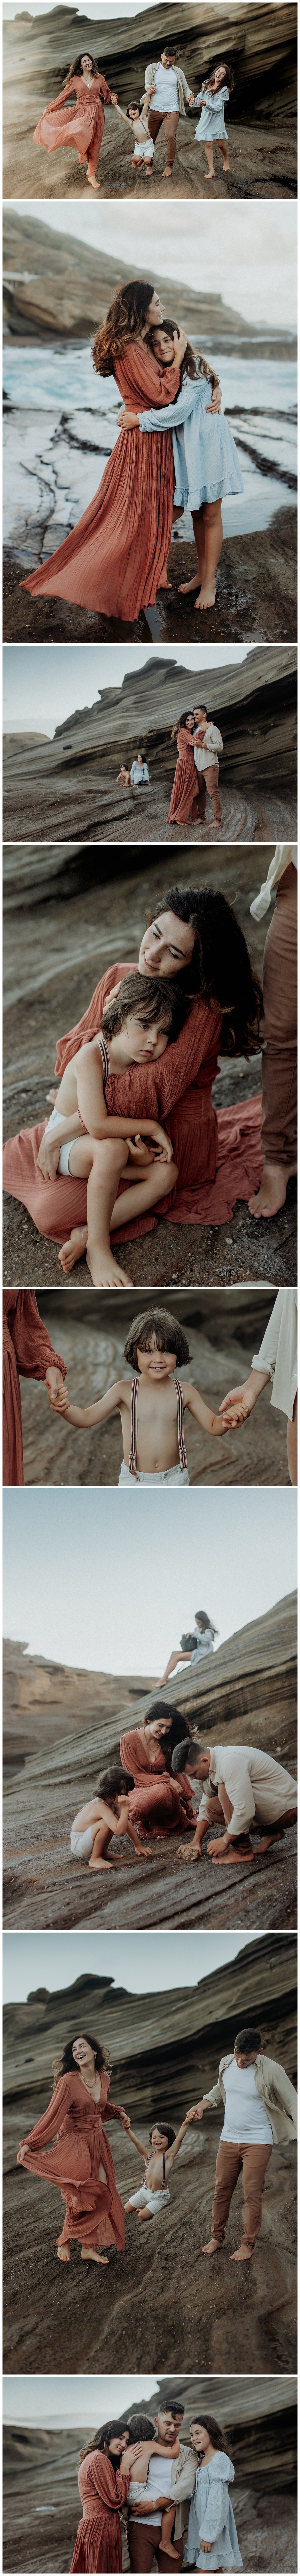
point(66, 2065)
point(215, 2432)
point(125, 321)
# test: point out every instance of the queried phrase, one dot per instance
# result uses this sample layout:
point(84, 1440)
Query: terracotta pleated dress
point(27, 1351)
point(98, 2546)
point(218, 1156)
point(83, 126)
point(158, 1804)
point(184, 790)
point(93, 2212)
point(115, 559)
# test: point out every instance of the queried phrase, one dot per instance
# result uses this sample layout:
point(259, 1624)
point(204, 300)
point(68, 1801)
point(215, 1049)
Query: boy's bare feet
point(104, 1864)
point(63, 2253)
point(212, 2248)
point(74, 1249)
point(89, 2255)
point(243, 2255)
point(272, 1191)
point(104, 1271)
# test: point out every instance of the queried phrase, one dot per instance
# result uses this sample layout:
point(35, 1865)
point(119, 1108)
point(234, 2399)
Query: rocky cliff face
point(255, 706)
point(162, 2051)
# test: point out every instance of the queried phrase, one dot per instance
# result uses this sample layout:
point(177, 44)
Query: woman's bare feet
point(272, 1191)
point(243, 2254)
point(74, 1249)
point(63, 2252)
point(212, 2248)
point(104, 1270)
point(207, 594)
point(89, 2255)
point(186, 586)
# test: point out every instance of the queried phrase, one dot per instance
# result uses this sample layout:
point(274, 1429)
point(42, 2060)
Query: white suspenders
point(134, 1399)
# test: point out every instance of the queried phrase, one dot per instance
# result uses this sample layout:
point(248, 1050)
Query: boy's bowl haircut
point(162, 1002)
point(113, 1780)
point(165, 2132)
point(169, 1335)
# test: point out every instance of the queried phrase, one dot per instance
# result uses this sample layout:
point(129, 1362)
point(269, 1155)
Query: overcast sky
point(54, 1959)
point(80, 1596)
point(41, 689)
point(66, 2401)
point(252, 265)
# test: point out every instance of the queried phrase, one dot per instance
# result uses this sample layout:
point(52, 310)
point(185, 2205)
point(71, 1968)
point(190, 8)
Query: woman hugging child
point(152, 1408)
point(99, 1144)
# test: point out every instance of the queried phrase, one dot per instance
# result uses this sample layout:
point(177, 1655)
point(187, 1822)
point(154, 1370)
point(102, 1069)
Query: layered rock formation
point(249, 1687)
point(163, 2052)
point(42, 1699)
point(255, 706)
point(262, 112)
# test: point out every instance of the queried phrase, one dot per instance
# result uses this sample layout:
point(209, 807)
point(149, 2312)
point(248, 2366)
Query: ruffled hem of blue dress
point(192, 500)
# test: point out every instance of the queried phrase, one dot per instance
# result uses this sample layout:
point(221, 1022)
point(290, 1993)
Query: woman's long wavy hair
point(76, 67)
point(181, 720)
point(65, 2065)
point(192, 364)
point(161, 1709)
point(215, 2432)
point(125, 321)
point(101, 2440)
point(220, 968)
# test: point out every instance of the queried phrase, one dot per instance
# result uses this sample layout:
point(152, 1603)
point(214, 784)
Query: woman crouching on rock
point(80, 2160)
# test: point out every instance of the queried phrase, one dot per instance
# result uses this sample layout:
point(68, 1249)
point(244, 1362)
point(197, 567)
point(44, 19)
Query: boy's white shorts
point(144, 151)
point(82, 1843)
point(153, 2200)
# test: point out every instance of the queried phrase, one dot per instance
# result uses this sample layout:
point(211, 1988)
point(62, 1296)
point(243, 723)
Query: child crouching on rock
point(152, 1409)
point(103, 1816)
point(152, 2197)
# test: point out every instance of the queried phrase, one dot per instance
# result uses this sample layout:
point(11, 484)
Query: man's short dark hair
point(169, 2409)
point(247, 2040)
point(180, 1755)
point(170, 46)
point(169, 2134)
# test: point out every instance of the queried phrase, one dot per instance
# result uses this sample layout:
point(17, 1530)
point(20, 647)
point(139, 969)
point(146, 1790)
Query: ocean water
point(259, 397)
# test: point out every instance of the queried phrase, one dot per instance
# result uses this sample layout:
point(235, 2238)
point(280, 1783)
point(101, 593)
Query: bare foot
point(272, 1192)
point(89, 2255)
point(209, 174)
point(235, 1852)
point(104, 1864)
point(73, 1251)
point(63, 2253)
point(243, 2255)
point(104, 1270)
point(212, 2248)
point(92, 183)
point(185, 586)
point(148, 170)
point(166, 174)
point(225, 169)
point(215, 826)
point(207, 594)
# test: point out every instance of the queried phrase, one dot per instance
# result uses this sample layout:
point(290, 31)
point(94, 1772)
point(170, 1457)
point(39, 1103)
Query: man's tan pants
point(279, 1064)
point(170, 124)
point(231, 2160)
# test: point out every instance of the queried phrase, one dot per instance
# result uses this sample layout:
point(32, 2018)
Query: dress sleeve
point(105, 91)
point(46, 2129)
point(32, 1346)
point(66, 92)
point(215, 2510)
point(112, 2110)
point(128, 1751)
point(100, 2479)
point(173, 413)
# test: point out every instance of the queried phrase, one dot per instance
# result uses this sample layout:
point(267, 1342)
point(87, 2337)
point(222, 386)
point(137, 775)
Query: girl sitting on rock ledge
point(152, 1408)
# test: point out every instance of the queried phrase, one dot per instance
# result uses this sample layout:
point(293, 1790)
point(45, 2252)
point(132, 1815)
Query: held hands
point(114, 97)
point(196, 2114)
point(139, 1151)
point(236, 1406)
point(125, 2121)
point(56, 1386)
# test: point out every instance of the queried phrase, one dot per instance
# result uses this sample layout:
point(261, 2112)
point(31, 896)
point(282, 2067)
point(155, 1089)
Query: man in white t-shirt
point(169, 88)
point(260, 2110)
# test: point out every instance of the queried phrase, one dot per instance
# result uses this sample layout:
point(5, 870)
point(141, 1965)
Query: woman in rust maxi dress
point(27, 1351)
point(184, 798)
point(80, 2161)
point(158, 1804)
point(103, 2488)
point(115, 559)
point(83, 124)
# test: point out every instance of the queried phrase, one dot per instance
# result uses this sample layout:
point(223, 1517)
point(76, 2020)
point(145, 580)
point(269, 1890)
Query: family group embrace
point(175, 450)
point(174, 2492)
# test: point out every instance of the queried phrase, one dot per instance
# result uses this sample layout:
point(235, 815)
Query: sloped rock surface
point(262, 111)
point(223, 1334)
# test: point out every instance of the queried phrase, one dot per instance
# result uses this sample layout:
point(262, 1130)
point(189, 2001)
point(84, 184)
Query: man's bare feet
point(212, 2248)
point(234, 1852)
point(166, 174)
point(272, 1192)
point(74, 1249)
point(89, 2255)
point(207, 594)
point(63, 2252)
point(215, 826)
point(104, 1271)
point(243, 2255)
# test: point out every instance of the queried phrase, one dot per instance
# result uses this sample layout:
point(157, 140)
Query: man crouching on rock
point(260, 2110)
point(242, 1788)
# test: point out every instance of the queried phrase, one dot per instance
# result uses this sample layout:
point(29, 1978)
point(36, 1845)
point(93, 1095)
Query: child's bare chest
point(157, 1445)
point(155, 2173)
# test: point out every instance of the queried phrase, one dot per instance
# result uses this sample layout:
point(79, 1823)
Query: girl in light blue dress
point(205, 457)
point(212, 99)
point(211, 2519)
